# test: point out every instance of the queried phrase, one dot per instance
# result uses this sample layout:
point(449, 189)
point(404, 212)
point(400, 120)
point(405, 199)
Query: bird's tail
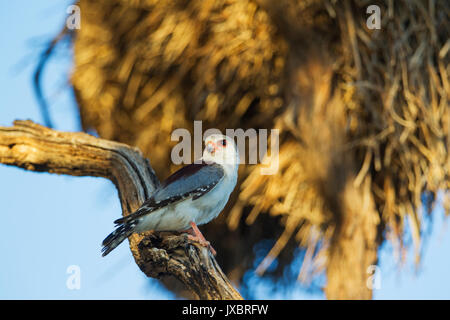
point(116, 237)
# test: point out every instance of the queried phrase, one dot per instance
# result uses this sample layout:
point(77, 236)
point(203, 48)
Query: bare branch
point(37, 148)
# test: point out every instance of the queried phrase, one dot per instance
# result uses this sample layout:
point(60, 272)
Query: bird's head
point(221, 149)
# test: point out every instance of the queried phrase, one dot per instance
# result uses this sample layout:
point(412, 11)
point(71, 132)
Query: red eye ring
point(223, 142)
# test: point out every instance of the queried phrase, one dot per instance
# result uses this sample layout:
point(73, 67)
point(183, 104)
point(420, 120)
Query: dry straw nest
point(363, 114)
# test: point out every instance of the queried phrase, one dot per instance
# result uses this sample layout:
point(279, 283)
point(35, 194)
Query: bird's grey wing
point(191, 181)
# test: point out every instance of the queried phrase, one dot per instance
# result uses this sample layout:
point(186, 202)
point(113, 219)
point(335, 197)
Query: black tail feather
point(120, 221)
point(116, 237)
point(125, 220)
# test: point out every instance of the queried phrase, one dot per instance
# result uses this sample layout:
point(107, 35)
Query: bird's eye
point(223, 143)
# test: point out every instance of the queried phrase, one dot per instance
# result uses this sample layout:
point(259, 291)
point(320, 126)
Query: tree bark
point(37, 148)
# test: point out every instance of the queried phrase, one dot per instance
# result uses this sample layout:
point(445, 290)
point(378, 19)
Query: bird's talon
point(214, 253)
point(203, 243)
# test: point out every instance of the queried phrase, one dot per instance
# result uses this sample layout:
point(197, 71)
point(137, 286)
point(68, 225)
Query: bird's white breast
point(177, 216)
point(211, 204)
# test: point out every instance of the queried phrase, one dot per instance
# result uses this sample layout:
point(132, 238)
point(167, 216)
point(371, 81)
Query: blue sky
point(51, 222)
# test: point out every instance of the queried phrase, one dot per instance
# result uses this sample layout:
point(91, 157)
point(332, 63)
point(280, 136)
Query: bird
point(192, 196)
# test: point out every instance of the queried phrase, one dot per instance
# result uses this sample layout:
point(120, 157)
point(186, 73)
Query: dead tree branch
point(37, 148)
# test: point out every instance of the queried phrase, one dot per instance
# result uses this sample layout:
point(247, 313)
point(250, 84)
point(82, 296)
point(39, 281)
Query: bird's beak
point(210, 147)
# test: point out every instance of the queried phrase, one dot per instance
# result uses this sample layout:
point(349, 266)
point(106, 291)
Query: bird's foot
point(203, 243)
point(195, 234)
